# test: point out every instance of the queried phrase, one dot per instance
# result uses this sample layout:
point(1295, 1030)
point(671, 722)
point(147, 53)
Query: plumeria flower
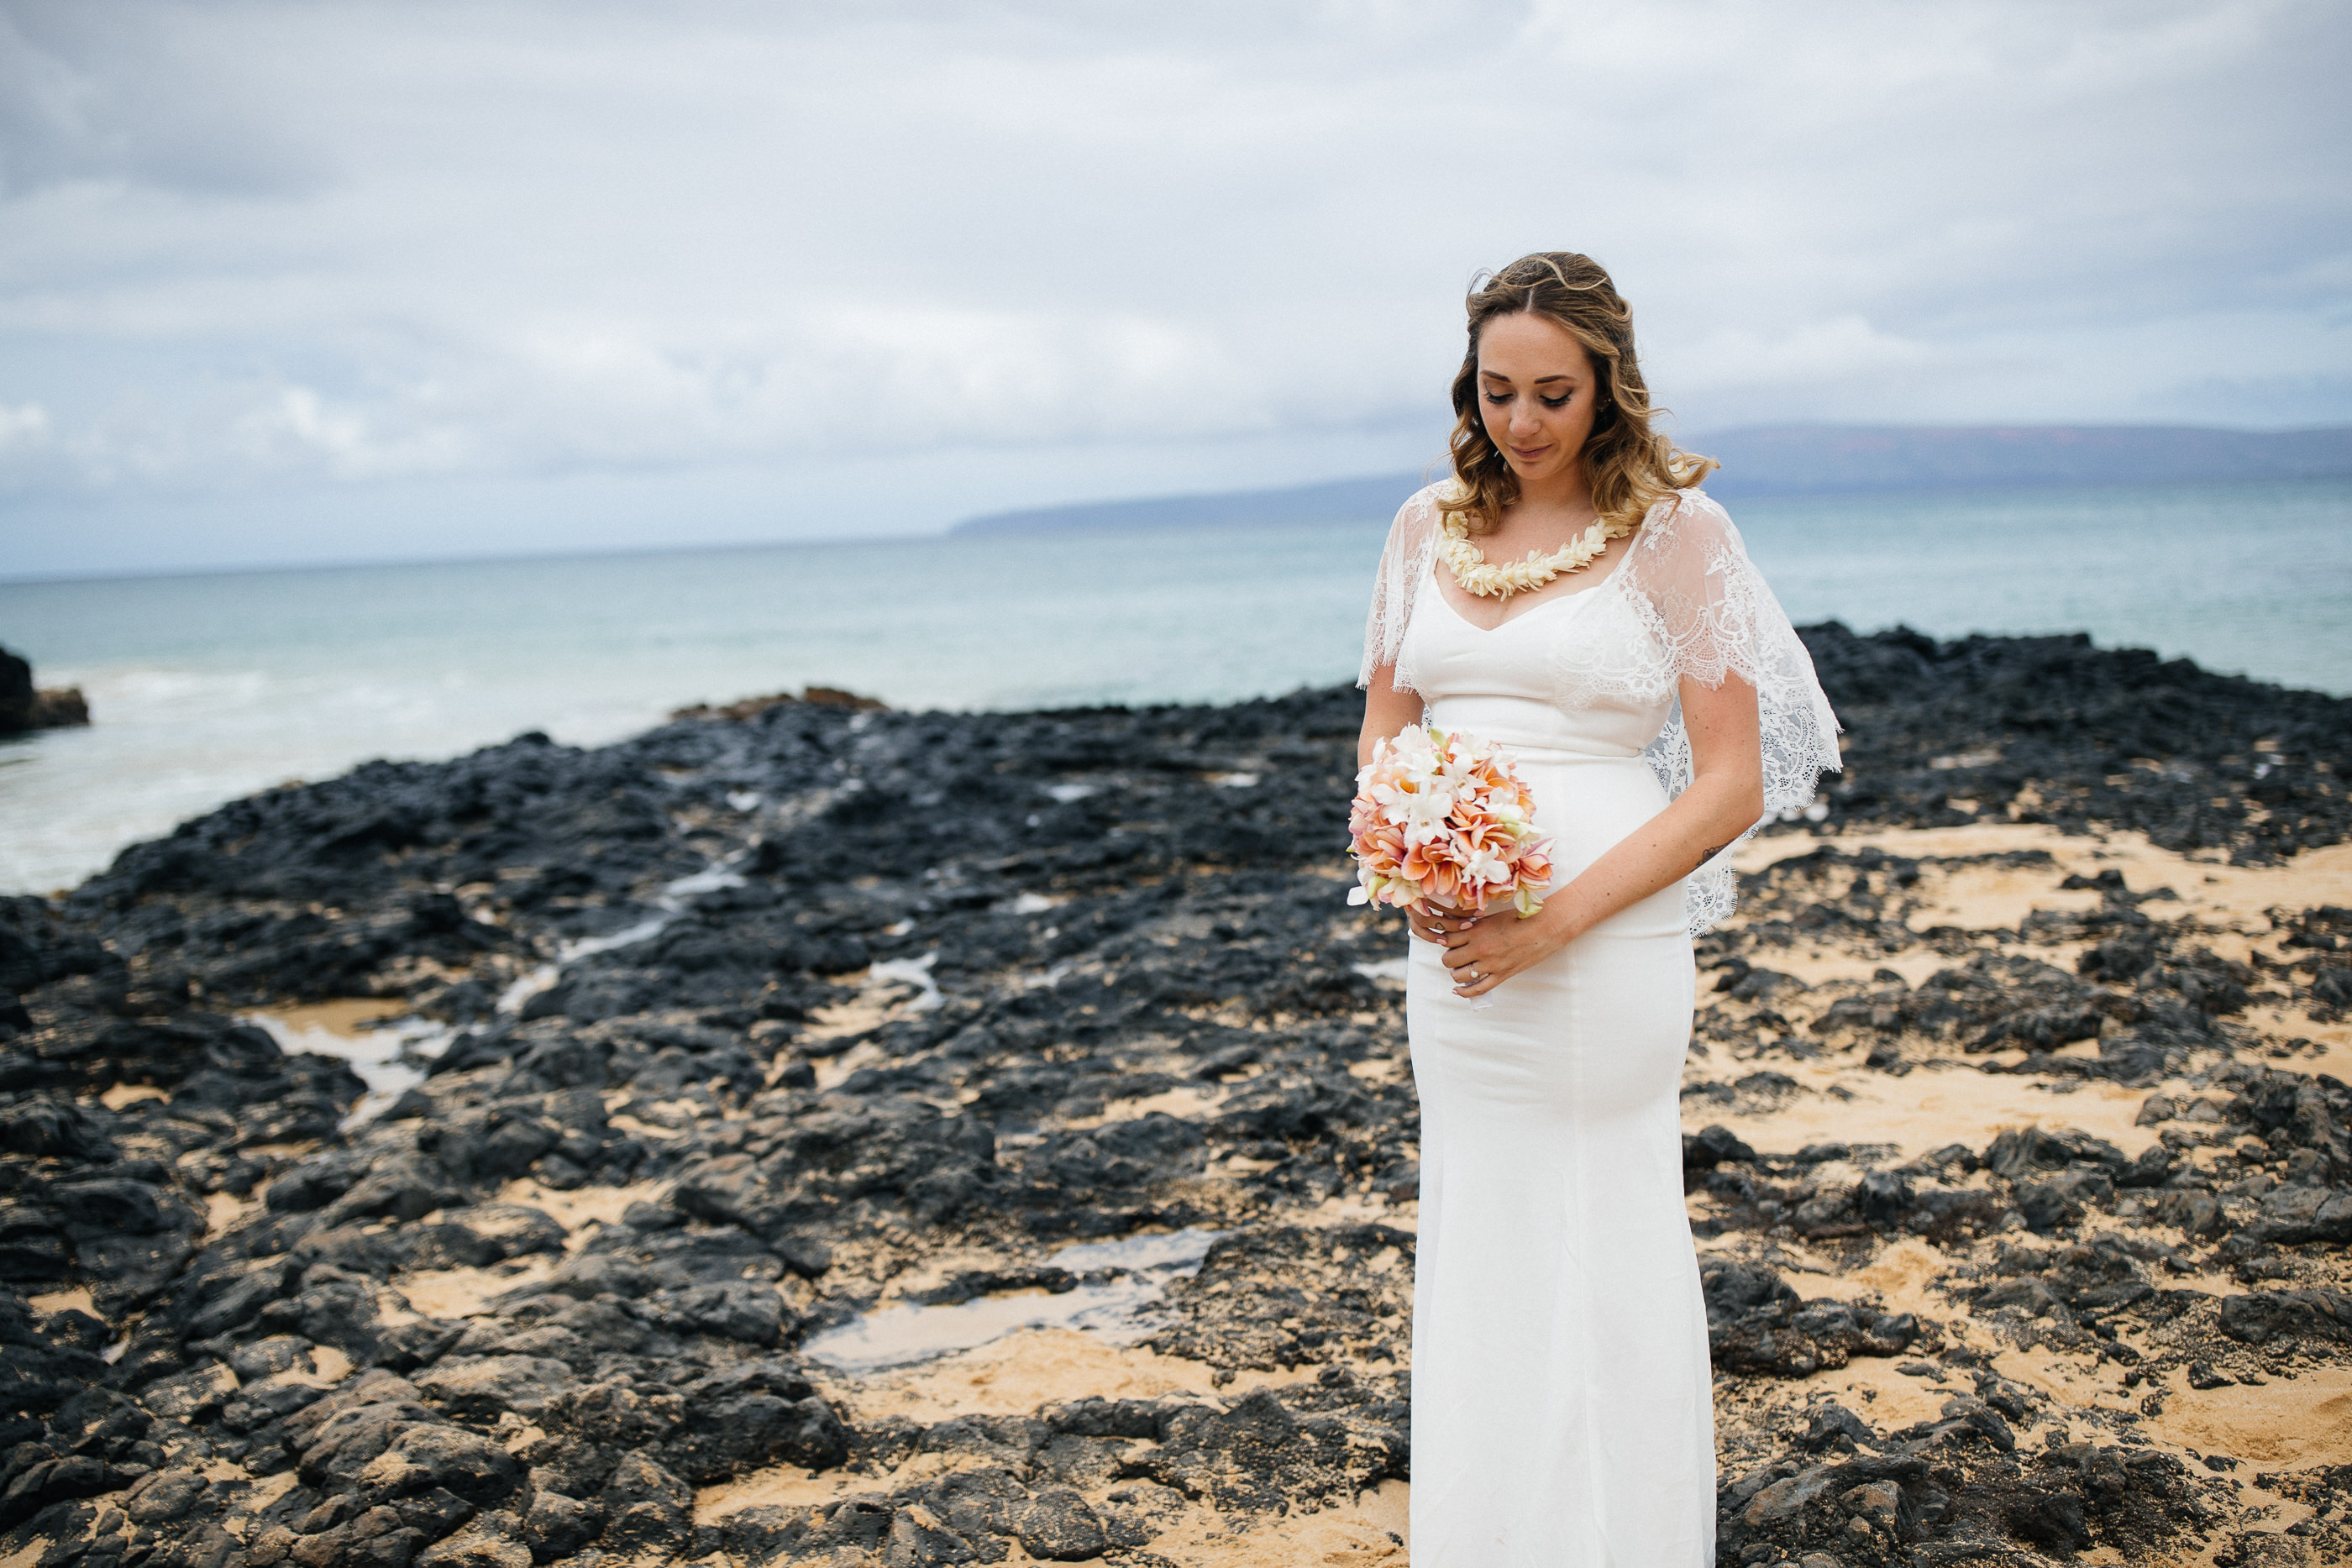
point(1441, 819)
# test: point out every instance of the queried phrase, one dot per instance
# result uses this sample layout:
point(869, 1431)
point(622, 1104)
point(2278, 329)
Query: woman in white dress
point(1571, 594)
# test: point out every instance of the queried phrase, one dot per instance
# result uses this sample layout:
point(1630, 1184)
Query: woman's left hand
point(1485, 951)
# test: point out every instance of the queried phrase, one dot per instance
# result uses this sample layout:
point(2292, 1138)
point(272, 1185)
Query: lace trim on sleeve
point(1404, 566)
point(1710, 614)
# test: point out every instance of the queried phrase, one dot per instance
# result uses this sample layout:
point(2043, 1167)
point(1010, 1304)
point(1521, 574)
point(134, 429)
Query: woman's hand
point(1485, 950)
point(1725, 796)
point(1433, 928)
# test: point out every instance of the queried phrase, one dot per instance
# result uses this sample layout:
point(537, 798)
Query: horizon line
point(959, 525)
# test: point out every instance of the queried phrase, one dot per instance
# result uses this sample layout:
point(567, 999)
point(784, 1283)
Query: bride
point(1571, 594)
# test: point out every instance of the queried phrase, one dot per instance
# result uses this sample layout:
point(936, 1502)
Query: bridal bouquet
point(1443, 819)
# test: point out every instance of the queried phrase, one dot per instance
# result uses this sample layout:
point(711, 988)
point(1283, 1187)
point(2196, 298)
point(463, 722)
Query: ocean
point(206, 688)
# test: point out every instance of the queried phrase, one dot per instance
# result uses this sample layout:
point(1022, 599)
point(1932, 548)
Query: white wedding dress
point(1561, 1409)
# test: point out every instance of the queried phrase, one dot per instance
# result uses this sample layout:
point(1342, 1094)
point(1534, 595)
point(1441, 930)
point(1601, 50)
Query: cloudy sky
point(303, 280)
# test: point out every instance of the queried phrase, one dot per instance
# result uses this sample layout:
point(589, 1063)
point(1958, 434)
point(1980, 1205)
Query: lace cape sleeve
point(1709, 615)
point(1404, 567)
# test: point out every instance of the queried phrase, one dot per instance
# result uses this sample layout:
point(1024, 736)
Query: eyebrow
point(1498, 376)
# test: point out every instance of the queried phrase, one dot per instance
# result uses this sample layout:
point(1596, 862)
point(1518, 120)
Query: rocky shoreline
point(2018, 1150)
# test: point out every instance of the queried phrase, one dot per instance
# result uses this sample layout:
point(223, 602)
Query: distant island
point(1795, 460)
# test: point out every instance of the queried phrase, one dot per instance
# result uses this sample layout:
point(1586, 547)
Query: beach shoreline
point(207, 689)
point(942, 1138)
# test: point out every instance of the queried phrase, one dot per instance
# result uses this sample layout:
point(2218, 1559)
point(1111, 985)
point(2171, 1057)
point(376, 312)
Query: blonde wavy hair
point(1630, 466)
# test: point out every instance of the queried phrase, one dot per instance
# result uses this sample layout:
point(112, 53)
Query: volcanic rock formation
point(2019, 1154)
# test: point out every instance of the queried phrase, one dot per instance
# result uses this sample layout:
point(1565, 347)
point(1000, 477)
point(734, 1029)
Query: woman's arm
point(1725, 798)
point(1387, 711)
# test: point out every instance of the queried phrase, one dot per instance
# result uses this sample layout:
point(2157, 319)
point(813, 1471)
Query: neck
point(1567, 491)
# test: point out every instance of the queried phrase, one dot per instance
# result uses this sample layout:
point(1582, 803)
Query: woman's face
point(1535, 392)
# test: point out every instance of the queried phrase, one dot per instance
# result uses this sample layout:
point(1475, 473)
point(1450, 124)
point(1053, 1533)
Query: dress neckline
point(1438, 588)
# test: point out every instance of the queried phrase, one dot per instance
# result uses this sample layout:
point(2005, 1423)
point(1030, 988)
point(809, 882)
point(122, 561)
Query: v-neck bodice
point(1506, 681)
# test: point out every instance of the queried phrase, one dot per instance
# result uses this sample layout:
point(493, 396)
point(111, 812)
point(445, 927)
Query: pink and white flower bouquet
point(1444, 820)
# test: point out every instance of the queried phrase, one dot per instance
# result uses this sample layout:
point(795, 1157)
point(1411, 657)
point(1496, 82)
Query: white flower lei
point(1476, 576)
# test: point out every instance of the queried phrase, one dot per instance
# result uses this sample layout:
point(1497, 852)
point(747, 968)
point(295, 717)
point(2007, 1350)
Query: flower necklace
point(1471, 571)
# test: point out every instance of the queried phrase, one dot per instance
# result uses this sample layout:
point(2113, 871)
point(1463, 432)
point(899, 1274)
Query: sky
point(306, 280)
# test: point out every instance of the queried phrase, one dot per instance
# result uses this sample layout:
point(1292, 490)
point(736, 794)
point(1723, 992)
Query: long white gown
point(1561, 1411)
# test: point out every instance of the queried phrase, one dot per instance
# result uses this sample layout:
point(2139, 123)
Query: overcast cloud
point(294, 280)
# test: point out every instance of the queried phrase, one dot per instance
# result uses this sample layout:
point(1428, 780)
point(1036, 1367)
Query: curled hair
point(1630, 466)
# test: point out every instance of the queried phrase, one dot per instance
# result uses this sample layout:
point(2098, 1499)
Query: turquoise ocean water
point(207, 687)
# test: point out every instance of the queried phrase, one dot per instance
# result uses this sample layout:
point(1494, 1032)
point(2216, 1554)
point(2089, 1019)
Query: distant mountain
point(1811, 459)
point(1796, 460)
